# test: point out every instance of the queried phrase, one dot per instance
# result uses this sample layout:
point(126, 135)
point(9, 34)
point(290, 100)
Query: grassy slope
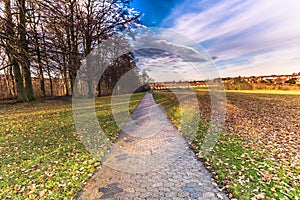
point(40, 153)
point(243, 161)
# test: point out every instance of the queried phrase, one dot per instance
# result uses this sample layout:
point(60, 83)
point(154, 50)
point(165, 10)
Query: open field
point(258, 152)
point(40, 153)
point(265, 91)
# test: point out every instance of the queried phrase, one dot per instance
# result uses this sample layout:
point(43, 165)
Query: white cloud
point(283, 61)
point(168, 56)
point(234, 16)
point(234, 28)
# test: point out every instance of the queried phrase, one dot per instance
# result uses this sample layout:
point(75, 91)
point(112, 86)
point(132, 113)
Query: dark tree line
point(49, 39)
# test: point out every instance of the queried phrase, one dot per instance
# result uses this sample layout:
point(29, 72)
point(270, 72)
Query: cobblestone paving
point(151, 160)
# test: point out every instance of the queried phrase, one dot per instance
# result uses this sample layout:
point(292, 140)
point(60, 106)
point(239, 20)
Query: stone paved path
point(151, 160)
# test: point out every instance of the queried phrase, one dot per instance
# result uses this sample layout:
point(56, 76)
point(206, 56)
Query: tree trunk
point(65, 76)
point(19, 82)
point(74, 51)
point(10, 83)
point(42, 80)
point(90, 82)
point(39, 59)
point(91, 90)
point(10, 43)
point(47, 62)
point(41, 73)
point(99, 88)
point(50, 80)
point(24, 50)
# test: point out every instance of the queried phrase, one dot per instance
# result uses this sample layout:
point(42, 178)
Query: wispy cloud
point(236, 30)
point(167, 66)
point(168, 56)
point(282, 61)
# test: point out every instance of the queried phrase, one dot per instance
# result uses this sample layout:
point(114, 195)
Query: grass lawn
point(258, 153)
point(40, 153)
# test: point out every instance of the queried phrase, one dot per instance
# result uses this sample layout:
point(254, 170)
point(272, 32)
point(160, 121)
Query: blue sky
point(248, 37)
point(155, 11)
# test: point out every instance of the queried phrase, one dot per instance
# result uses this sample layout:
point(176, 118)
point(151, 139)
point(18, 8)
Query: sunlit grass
point(41, 155)
point(243, 161)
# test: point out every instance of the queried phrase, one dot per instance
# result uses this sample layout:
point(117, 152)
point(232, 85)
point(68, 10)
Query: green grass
point(240, 168)
point(41, 155)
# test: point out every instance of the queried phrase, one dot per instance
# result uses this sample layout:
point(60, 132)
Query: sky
point(245, 37)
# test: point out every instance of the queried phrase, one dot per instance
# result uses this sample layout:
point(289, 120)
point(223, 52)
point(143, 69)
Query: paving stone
point(154, 162)
point(164, 189)
point(188, 189)
point(171, 194)
point(177, 198)
point(208, 194)
point(152, 189)
point(196, 195)
point(183, 194)
point(145, 195)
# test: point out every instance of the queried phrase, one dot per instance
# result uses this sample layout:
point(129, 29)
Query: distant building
point(173, 85)
point(275, 79)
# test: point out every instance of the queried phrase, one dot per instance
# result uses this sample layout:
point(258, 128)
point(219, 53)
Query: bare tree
point(100, 20)
point(23, 48)
point(36, 33)
point(8, 39)
point(48, 39)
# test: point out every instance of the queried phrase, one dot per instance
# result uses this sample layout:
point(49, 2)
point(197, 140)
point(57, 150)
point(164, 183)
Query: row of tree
point(47, 39)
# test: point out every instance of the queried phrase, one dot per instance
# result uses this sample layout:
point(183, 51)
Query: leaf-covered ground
point(41, 156)
point(257, 155)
